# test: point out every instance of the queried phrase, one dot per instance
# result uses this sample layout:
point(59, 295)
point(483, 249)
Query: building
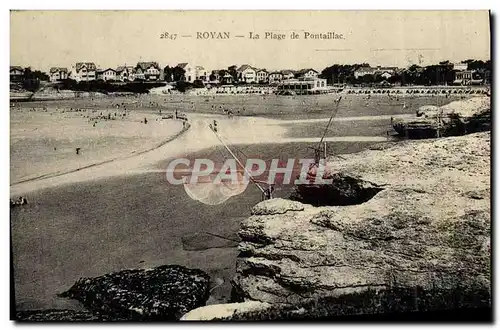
point(306, 74)
point(58, 74)
point(463, 78)
point(247, 74)
point(386, 75)
point(16, 73)
point(125, 73)
point(468, 77)
point(201, 73)
point(460, 66)
point(106, 74)
point(189, 71)
point(149, 71)
point(275, 77)
point(288, 74)
point(84, 71)
point(303, 86)
point(363, 71)
point(227, 78)
point(385, 72)
point(262, 76)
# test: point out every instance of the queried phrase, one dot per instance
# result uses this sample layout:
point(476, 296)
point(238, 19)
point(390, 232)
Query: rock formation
point(163, 293)
point(453, 119)
point(421, 243)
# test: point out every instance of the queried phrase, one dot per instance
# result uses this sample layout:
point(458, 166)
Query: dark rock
point(62, 315)
point(344, 190)
point(162, 293)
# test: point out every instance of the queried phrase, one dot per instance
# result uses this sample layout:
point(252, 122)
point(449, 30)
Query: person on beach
point(145, 121)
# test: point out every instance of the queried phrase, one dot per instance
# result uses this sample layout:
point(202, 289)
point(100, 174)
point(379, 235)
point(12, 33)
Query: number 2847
point(167, 35)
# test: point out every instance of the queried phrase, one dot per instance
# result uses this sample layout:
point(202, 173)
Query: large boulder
point(453, 119)
point(421, 243)
point(163, 293)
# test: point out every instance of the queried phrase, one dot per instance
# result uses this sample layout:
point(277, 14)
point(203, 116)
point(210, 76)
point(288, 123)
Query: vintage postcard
point(250, 165)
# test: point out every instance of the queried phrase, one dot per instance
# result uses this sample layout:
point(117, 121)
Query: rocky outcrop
point(59, 315)
point(163, 293)
point(421, 243)
point(453, 119)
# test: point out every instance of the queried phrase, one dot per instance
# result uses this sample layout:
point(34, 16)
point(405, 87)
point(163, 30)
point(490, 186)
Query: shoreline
point(246, 90)
point(56, 174)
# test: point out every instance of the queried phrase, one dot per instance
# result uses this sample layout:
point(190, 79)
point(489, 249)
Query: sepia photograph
point(250, 165)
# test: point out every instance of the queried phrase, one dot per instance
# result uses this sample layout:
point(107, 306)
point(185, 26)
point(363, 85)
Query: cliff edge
point(420, 242)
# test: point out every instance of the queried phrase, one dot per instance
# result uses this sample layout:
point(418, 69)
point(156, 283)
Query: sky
point(44, 39)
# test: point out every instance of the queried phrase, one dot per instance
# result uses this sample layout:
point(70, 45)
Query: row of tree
point(438, 74)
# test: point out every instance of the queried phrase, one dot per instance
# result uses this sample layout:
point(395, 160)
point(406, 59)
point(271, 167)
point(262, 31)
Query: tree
point(232, 71)
point(167, 74)
point(395, 79)
point(341, 73)
point(34, 75)
point(181, 85)
point(368, 79)
point(198, 84)
point(178, 74)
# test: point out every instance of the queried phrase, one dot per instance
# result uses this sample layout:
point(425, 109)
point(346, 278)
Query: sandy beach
point(44, 144)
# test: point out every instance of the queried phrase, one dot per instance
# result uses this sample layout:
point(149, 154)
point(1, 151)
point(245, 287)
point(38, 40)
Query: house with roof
point(363, 71)
point(262, 76)
point(108, 74)
point(201, 73)
point(247, 73)
point(306, 74)
point(58, 74)
point(189, 71)
point(84, 71)
point(149, 71)
point(223, 77)
point(288, 74)
point(275, 77)
point(125, 73)
point(384, 72)
point(16, 73)
point(460, 66)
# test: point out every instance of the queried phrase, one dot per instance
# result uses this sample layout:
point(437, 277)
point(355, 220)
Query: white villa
point(125, 73)
point(262, 76)
point(84, 71)
point(106, 74)
point(247, 74)
point(147, 71)
point(304, 85)
point(201, 73)
point(189, 71)
point(307, 74)
point(57, 74)
point(275, 77)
